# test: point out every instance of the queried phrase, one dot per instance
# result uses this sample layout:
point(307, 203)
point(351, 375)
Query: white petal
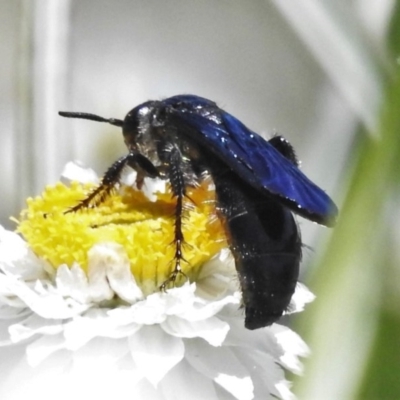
point(221, 264)
point(213, 330)
point(276, 340)
point(94, 323)
point(217, 276)
point(45, 303)
point(99, 288)
point(222, 394)
point(99, 382)
point(119, 273)
point(32, 325)
point(81, 330)
point(142, 313)
point(203, 309)
point(263, 339)
point(180, 299)
point(212, 287)
point(109, 273)
point(101, 354)
point(146, 391)
point(60, 376)
point(11, 307)
point(5, 339)
point(152, 186)
point(39, 350)
point(6, 342)
point(72, 282)
point(17, 259)
point(185, 383)
point(283, 388)
point(20, 381)
point(155, 352)
point(75, 171)
point(300, 298)
point(221, 365)
point(240, 388)
point(265, 371)
point(293, 346)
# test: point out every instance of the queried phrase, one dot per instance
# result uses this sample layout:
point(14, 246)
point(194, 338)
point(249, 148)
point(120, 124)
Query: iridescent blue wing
point(251, 157)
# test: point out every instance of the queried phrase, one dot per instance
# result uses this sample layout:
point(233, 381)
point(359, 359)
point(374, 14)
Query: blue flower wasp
point(257, 182)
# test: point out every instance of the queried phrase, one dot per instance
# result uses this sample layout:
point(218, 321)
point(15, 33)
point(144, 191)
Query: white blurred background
point(310, 70)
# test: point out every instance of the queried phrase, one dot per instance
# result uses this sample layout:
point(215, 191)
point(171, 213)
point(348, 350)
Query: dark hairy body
point(258, 186)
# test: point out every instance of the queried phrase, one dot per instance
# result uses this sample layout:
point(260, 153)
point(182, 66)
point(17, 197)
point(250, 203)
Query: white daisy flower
point(81, 313)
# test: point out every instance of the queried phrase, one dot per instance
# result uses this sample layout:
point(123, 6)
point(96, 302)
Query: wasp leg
point(112, 177)
point(142, 165)
point(178, 186)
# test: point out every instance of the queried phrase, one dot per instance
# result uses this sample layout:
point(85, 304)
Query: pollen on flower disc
point(145, 229)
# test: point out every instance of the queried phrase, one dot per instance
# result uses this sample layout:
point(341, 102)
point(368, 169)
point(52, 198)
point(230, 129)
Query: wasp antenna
point(91, 117)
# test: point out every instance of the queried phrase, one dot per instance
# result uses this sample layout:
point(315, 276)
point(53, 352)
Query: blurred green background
point(354, 326)
point(325, 74)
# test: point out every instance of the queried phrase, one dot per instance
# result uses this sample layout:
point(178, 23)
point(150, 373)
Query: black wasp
point(258, 185)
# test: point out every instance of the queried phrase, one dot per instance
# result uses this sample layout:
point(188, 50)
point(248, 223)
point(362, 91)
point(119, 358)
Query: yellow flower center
point(145, 229)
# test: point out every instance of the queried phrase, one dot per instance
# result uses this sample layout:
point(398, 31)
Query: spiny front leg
point(178, 186)
point(112, 177)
